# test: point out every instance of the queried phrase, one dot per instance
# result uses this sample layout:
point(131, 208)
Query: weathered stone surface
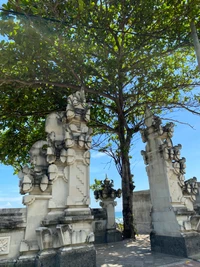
point(64, 257)
point(104, 224)
point(180, 246)
point(107, 195)
point(56, 189)
point(172, 196)
point(47, 259)
point(25, 263)
point(100, 237)
point(142, 211)
point(113, 236)
point(12, 218)
point(10, 263)
point(82, 257)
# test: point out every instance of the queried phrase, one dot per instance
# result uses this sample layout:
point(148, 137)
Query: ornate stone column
point(173, 215)
point(107, 194)
point(56, 188)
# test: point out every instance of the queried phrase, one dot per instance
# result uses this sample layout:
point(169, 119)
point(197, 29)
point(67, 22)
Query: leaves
point(123, 54)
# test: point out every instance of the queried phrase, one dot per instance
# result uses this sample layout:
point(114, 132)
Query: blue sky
point(100, 166)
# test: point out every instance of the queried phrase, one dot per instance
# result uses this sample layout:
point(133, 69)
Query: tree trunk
point(195, 41)
point(127, 194)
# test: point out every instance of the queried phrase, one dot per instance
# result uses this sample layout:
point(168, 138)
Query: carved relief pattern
point(4, 245)
point(58, 177)
point(107, 191)
point(171, 154)
point(69, 236)
point(67, 133)
point(36, 175)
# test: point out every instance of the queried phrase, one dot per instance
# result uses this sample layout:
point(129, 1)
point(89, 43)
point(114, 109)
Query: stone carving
point(68, 143)
point(107, 195)
point(77, 106)
point(170, 153)
point(107, 191)
point(26, 180)
point(4, 245)
point(56, 182)
point(45, 239)
point(190, 186)
point(36, 175)
point(69, 236)
point(166, 170)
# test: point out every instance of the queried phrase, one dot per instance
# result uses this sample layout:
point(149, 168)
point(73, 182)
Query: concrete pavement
point(137, 253)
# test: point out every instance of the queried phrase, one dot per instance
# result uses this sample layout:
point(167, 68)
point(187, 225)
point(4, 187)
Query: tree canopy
point(126, 55)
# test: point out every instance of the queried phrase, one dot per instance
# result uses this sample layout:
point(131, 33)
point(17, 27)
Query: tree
point(120, 52)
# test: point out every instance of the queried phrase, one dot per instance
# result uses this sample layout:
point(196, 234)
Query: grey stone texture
point(180, 246)
point(12, 218)
point(142, 211)
point(85, 257)
point(113, 236)
point(102, 234)
point(46, 260)
point(73, 257)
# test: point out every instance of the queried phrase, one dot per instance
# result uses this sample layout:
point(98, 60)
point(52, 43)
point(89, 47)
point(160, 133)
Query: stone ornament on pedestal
point(173, 216)
point(4, 245)
point(107, 194)
point(56, 189)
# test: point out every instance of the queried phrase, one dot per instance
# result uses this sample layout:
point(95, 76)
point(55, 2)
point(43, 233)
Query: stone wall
point(142, 210)
point(12, 230)
point(13, 224)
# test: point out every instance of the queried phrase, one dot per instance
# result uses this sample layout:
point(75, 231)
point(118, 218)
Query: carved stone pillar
point(56, 187)
point(107, 195)
point(109, 205)
point(172, 197)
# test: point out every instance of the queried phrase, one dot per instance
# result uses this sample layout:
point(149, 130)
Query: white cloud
point(8, 204)
point(10, 199)
point(98, 155)
point(5, 206)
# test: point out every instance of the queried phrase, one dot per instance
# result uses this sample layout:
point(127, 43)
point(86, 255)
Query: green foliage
point(119, 226)
point(126, 55)
point(97, 185)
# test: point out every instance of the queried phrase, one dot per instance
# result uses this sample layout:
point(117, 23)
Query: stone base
point(183, 246)
point(46, 259)
point(113, 236)
point(84, 257)
point(100, 237)
point(108, 236)
point(64, 257)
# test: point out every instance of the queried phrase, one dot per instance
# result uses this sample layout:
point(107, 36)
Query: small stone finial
point(107, 191)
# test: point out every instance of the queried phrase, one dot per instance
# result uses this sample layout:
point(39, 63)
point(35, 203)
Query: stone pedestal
point(107, 196)
point(183, 246)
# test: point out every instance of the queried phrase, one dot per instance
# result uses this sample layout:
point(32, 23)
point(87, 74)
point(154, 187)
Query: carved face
point(38, 156)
